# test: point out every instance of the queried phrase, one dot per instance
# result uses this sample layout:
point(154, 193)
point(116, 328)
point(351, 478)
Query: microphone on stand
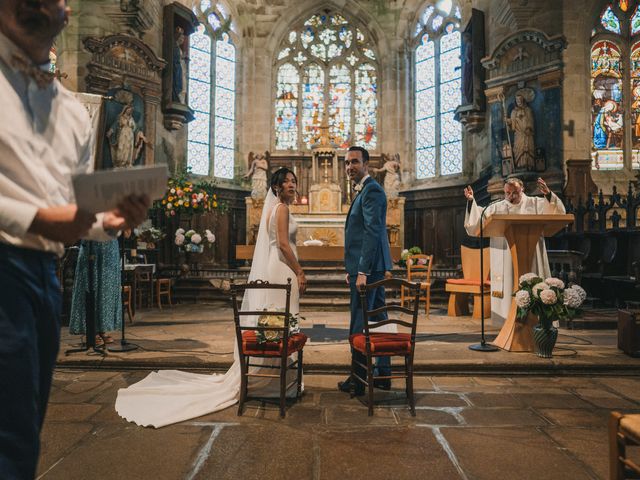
point(483, 346)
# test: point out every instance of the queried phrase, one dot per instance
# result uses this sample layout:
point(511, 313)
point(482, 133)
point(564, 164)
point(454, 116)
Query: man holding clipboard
point(45, 137)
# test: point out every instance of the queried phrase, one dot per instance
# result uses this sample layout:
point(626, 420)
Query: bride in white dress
point(170, 396)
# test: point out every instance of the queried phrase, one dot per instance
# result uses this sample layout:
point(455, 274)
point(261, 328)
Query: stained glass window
point(438, 92)
point(610, 21)
point(615, 96)
point(199, 129)
point(326, 67)
point(211, 93)
point(635, 21)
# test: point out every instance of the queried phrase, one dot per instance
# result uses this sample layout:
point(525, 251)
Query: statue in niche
point(391, 169)
point(522, 123)
point(467, 68)
point(258, 168)
point(126, 139)
point(179, 67)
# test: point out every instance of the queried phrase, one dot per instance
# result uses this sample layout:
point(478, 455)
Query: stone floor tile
point(57, 440)
point(589, 446)
point(440, 400)
point(71, 412)
point(260, 451)
point(341, 416)
point(516, 453)
point(627, 386)
point(426, 417)
point(575, 417)
point(544, 400)
point(381, 453)
point(605, 399)
point(494, 400)
point(505, 417)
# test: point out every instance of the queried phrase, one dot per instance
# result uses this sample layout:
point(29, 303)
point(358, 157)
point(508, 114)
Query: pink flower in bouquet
point(548, 297)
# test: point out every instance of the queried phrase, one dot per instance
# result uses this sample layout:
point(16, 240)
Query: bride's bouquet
point(276, 321)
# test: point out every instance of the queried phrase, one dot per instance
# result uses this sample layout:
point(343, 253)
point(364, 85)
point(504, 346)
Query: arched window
point(615, 87)
point(325, 66)
point(212, 95)
point(438, 91)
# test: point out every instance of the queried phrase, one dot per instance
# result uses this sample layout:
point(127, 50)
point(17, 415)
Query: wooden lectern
point(522, 233)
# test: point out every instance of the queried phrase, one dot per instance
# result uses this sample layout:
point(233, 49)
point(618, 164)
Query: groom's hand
point(361, 281)
point(346, 279)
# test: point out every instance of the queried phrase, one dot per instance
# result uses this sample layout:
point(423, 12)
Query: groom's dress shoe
point(384, 384)
point(347, 385)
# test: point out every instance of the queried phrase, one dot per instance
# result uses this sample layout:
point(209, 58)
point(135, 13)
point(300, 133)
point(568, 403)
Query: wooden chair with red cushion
point(249, 346)
point(378, 344)
point(459, 289)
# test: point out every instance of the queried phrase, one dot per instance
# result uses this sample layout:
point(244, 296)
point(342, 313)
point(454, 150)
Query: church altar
point(323, 216)
point(312, 253)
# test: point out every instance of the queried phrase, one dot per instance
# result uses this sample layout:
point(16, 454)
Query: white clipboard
point(102, 190)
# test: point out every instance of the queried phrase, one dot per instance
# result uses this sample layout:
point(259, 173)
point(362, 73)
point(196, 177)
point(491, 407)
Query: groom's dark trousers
point(375, 299)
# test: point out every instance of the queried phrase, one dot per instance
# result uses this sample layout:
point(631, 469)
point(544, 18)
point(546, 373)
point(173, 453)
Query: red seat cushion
point(250, 345)
point(383, 343)
point(465, 281)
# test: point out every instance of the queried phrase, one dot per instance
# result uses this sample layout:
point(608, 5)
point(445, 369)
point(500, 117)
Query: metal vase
point(545, 339)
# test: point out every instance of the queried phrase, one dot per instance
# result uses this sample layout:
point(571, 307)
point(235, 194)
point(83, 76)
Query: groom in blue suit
point(367, 255)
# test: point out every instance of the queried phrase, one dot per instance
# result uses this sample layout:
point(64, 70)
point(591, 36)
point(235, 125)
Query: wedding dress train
point(170, 396)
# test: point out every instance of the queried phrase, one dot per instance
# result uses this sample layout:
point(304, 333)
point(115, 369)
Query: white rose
point(404, 252)
point(537, 287)
point(200, 196)
point(523, 299)
point(548, 297)
point(211, 237)
point(173, 190)
point(196, 238)
point(180, 231)
point(554, 282)
point(179, 239)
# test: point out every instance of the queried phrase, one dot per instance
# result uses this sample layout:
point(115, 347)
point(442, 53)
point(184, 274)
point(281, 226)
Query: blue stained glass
point(635, 21)
point(425, 103)
point(427, 13)
point(437, 21)
point(425, 50)
point(340, 105)
point(223, 160)
point(312, 104)
point(610, 21)
point(366, 105)
point(286, 115)
point(457, 13)
point(426, 132)
point(199, 92)
point(426, 163)
point(224, 132)
point(451, 161)
point(444, 6)
point(204, 5)
point(214, 21)
point(223, 11)
point(425, 74)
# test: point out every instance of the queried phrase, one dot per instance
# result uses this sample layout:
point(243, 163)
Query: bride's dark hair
point(278, 178)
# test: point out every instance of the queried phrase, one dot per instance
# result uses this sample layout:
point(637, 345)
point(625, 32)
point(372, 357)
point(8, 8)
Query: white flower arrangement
point(192, 241)
point(549, 300)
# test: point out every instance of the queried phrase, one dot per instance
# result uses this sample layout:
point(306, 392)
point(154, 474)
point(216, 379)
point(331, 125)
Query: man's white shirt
point(45, 137)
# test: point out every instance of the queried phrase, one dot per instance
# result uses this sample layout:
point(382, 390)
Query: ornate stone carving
point(134, 17)
point(524, 55)
point(125, 62)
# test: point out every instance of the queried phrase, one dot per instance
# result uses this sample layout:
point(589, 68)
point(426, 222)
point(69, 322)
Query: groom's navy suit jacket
point(366, 245)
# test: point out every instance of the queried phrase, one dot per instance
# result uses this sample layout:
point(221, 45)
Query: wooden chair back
point(419, 267)
point(471, 262)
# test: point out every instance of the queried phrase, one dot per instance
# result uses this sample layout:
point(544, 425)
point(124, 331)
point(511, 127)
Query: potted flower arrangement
point(192, 241)
point(186, 197)
point(549, 300)
point(406, 253)
point(148, 237)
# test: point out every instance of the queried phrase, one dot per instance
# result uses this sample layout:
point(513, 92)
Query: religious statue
point(258, 168)
point(467, 68)
point(391, 169)
point(126, 140)
point(522, 124)
point(179, 67)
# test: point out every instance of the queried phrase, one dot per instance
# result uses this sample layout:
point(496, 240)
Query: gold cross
point(326, 164)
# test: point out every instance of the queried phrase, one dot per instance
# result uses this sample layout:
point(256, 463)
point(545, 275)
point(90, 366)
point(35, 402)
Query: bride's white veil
point(256, 299)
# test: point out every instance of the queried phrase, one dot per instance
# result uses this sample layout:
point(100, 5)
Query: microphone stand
point(124, 345)
point(483, 346)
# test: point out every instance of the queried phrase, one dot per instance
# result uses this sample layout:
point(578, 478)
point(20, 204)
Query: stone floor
point(466, 427)
point(202, 337)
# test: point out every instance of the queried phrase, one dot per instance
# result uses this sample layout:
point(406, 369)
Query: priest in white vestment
point(515, 202)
